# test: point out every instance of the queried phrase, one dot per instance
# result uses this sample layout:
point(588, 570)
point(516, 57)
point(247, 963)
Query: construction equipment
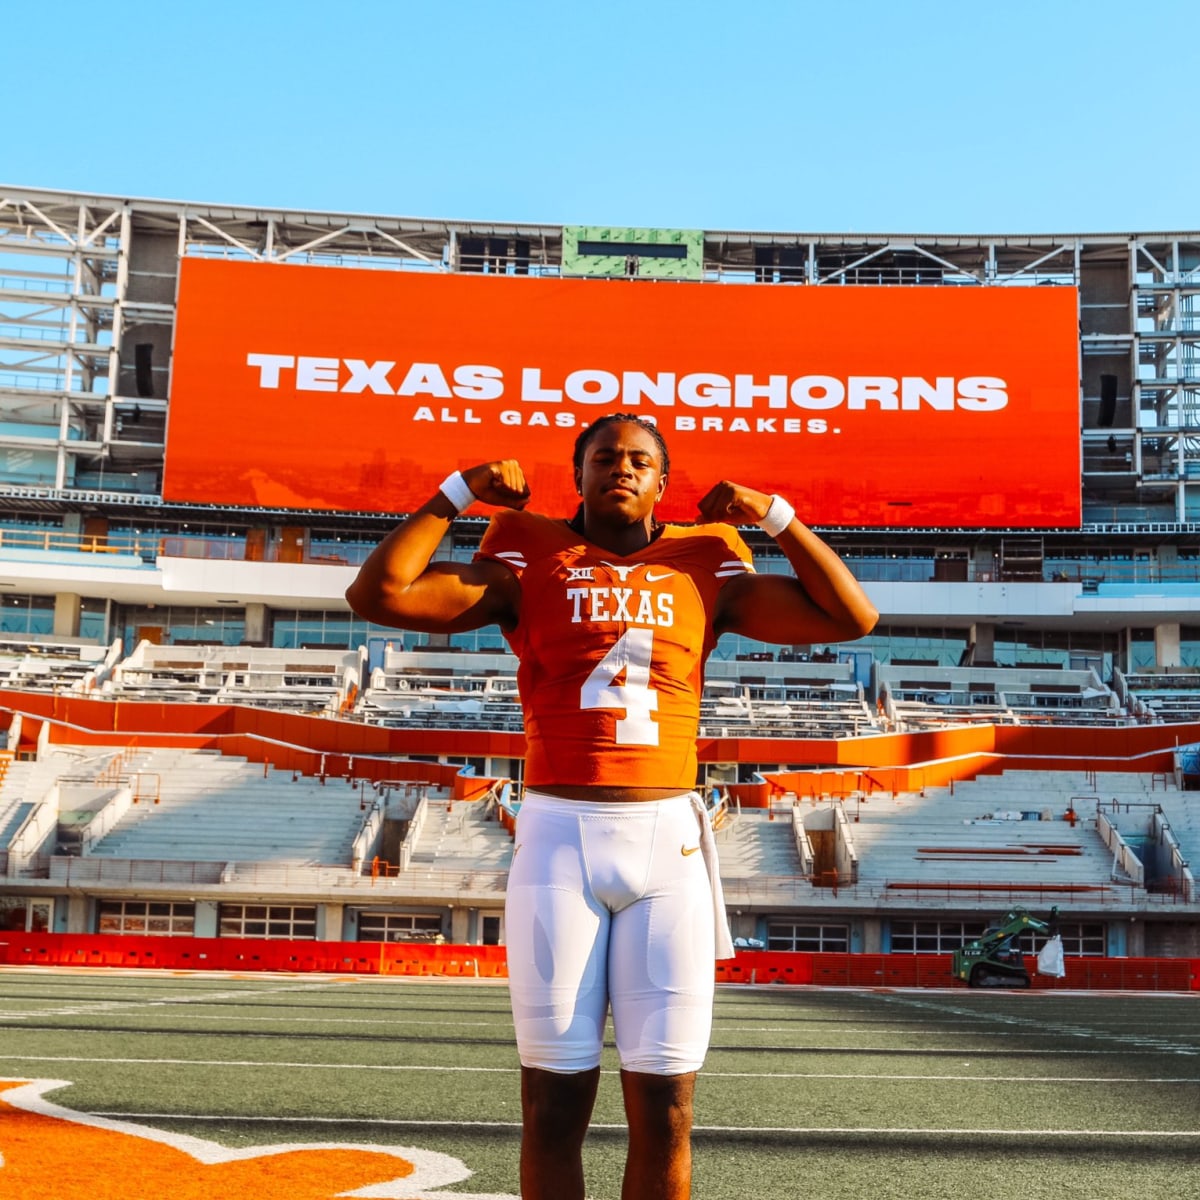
point(995, 958)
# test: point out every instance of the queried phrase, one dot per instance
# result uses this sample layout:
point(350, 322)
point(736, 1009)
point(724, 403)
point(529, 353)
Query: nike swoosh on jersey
point(686, 850)
point(655, 578)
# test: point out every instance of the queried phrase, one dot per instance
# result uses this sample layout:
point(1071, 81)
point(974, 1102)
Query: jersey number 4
point(629, 656)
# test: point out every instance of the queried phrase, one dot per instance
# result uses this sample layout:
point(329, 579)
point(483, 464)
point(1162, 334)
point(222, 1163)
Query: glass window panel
point(932, 937)
point(784, 935)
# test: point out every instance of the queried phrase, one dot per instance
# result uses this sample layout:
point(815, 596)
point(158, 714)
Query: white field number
point(630, 654)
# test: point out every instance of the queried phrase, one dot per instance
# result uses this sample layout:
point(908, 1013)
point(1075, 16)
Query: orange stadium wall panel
point(887, 762)
point(288, 741)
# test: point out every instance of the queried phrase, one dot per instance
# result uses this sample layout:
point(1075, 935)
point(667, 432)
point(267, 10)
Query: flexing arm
point(398, 585)
point(823, 603)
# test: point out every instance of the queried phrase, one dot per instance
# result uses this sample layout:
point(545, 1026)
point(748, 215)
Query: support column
point(983, 635)
point(66, 614)
point(872, 936)
point(79, 912)
point(1166, 646)
point(256, 625)
point(460, 926)
point(330, 920)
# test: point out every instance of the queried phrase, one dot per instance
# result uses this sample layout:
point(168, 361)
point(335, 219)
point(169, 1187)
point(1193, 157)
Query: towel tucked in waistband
point(723, 940)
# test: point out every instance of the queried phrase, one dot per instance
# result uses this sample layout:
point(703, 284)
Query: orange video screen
point(303, 387)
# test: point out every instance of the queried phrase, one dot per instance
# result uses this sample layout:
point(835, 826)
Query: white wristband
point(777, 517)
point(454, 488)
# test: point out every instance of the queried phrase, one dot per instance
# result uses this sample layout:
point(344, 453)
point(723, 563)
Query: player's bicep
point(772, 608)
point(452, 598)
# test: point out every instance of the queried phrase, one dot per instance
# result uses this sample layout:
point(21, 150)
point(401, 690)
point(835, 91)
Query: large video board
point(302, 387)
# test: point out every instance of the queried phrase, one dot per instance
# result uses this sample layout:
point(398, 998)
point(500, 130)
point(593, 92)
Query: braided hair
point(628, 418)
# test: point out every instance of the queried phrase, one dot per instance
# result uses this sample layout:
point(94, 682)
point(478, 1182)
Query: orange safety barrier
point(490, 962)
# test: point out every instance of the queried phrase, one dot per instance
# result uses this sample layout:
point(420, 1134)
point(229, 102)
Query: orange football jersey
point(612, 649)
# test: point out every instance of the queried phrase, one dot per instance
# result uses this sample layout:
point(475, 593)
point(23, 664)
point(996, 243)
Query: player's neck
point(620, 539)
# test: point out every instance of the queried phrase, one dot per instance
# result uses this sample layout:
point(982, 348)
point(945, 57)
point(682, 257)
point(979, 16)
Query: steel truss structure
point(87, 312)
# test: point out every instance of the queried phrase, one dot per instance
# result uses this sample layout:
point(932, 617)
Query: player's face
point(621, 476)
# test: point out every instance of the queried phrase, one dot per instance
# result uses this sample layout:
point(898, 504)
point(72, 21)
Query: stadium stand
point(49, 665)
point(464, 838)
point(1169, 696)
point(422, 690)
point(996, 695)
point(1008, 833)
point(297, 680)
point(203, 806)
point(1020, 666)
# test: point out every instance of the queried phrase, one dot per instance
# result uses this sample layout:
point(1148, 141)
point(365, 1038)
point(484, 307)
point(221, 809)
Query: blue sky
point(903, 117)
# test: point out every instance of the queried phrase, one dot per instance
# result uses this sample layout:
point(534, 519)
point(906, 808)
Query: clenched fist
point(734, 504)
point(501, 483)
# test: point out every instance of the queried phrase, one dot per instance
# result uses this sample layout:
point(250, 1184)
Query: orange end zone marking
point(51, 1153)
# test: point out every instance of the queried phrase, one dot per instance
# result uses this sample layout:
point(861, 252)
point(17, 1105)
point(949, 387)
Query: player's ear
point(578, 481)
point(662, 487)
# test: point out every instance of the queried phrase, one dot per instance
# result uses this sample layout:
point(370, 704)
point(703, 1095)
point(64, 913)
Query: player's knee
point(659, 1106)
point(557, 1107)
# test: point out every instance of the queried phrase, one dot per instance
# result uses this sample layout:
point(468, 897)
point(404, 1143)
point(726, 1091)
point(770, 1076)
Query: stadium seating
point(48, 665)
point(200, 806)
point(440, 690)
point(293, 680)
point(1166, 696)
point(1010, 833)
point(457, 839)
point(931, 697)
point(757, 850)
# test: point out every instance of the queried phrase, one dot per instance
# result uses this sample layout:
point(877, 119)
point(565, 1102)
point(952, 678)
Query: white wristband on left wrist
point(454, 488)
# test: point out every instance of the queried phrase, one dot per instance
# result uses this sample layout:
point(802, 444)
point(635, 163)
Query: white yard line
point(1034, 1025)
point(501, 1021)
point(810, 1130)
point(867, 1076)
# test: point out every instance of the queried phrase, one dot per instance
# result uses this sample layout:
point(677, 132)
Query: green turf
point(807, 1092)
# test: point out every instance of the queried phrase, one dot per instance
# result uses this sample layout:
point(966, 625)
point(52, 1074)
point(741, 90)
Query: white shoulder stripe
point(734, 566)
point(515, 555)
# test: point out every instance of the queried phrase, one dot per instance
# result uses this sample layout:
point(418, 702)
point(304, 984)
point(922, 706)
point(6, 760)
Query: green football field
point(807, 1092)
